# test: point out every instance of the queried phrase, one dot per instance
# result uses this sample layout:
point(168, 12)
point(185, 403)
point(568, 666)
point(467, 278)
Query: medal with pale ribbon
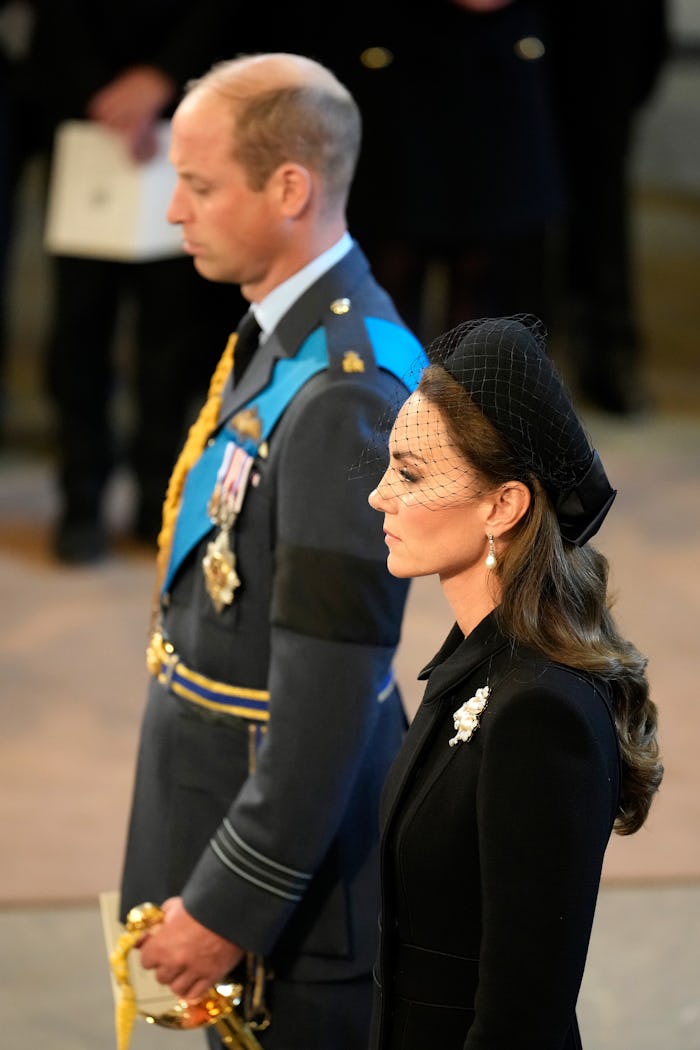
point(219, 562)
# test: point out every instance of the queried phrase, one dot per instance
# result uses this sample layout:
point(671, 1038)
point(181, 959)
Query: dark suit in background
point(605, 63)
point(459, 162)
point(15, 25)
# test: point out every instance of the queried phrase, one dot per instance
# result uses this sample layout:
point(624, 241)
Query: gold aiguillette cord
point(125, 1009)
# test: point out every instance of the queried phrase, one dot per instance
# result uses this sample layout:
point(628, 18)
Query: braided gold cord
point(194, 446)
point(125, 1009)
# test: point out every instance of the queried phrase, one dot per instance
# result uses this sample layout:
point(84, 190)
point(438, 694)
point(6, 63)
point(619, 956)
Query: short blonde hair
point(289, 108)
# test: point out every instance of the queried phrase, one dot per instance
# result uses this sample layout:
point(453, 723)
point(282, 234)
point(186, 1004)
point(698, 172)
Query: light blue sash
point(395, 349)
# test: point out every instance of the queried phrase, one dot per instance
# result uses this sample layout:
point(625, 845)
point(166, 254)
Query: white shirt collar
point(270, 310)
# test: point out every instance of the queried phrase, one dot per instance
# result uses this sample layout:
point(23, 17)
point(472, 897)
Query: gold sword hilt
point(218, 1008)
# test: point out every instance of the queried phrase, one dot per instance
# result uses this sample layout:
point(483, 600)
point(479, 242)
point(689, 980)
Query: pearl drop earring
point(491, 556)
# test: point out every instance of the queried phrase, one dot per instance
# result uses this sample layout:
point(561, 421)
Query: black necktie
point(247, 343)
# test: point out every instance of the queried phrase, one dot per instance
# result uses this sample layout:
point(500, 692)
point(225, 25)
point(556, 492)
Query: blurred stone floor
point(72, 676)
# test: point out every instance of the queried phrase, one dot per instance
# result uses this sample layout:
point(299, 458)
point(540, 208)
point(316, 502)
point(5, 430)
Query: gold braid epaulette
point(192, 449)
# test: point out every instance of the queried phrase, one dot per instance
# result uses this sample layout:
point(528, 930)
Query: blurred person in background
point(15, 29)
point(494, 175)
point(605, 63)
point(123, 65)
point(458, 182)
point(453, 92)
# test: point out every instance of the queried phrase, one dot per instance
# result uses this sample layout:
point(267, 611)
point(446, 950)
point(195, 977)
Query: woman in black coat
point(536, 735)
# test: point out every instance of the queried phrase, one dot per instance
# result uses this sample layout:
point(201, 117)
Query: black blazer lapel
point(458, 659)
point(419, 733)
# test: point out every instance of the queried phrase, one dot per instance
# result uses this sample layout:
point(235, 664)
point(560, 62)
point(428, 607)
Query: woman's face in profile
point(430, 497)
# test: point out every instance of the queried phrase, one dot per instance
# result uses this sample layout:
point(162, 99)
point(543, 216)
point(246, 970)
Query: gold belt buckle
point(158, 652)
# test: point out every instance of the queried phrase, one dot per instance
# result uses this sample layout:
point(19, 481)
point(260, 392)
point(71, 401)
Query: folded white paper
point(104, 205)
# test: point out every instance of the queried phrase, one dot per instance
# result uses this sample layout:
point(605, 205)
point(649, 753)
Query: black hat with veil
point(503, 366)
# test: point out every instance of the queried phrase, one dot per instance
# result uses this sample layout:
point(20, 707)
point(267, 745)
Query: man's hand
point(185, 955)
point(131, 104)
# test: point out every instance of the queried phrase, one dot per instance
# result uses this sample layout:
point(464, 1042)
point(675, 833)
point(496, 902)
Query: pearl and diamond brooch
point(466, 717)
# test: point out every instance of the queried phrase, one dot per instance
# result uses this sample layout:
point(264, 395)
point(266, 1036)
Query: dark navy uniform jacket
point(284, 861)
point(492, 851)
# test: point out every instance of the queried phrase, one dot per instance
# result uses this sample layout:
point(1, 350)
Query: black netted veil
point(503, 365)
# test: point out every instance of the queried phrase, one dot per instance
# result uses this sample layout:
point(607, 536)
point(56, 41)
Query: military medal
point(219, 562)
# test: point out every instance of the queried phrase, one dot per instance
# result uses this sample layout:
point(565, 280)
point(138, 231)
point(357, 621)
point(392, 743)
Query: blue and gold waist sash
point(242, 701)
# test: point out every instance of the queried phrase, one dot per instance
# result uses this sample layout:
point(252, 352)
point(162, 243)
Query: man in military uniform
point(272, 714)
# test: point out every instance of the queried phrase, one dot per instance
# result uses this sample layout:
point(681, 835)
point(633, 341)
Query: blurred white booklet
point(104, 205)
point(149, 994)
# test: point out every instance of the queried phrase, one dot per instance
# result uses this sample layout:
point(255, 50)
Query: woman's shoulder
point(527, 687)
point(521, 682)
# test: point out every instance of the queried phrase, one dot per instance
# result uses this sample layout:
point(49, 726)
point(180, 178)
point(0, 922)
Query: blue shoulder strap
point(395, 349)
